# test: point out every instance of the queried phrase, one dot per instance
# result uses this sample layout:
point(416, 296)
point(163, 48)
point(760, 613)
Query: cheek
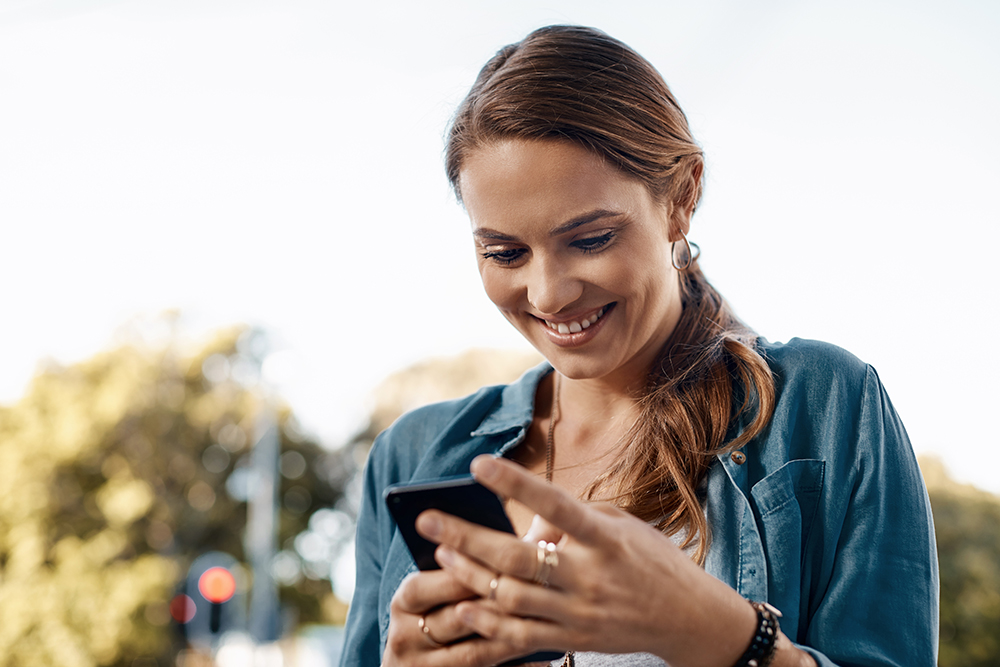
point(643, 268)
point(499, 288)
point(644, 279)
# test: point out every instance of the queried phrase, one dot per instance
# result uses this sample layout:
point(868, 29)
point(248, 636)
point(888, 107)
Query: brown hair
point(581, 85)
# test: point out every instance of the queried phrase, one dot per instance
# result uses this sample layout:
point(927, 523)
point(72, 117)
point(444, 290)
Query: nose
point(551, 286)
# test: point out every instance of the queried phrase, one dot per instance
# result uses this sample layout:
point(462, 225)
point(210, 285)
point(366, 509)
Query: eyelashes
point(504, 257)
point(592, 244)
point(588, 246)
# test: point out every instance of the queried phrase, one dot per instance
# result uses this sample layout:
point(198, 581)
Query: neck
point(590, 422)
point(596, 414)
point(598, 400)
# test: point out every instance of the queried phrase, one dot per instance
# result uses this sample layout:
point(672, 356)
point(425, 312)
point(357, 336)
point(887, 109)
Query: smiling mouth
point(577, 326)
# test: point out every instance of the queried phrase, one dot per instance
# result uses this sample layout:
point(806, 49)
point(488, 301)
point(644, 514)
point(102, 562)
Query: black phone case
point(463, 497)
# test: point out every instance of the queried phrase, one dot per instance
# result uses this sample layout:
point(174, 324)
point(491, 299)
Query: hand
point(432, 596)
point(620, 586)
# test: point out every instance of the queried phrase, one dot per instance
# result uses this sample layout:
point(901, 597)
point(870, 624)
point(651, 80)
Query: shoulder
point(428, 421)
point(802, 358)
point(399, 449)
point(816, 372)
point(823, 394)
point(449, 424)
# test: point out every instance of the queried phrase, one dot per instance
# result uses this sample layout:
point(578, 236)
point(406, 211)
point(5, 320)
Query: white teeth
point(575, 327)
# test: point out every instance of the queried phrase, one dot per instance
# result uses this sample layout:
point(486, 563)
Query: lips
point(575, 326)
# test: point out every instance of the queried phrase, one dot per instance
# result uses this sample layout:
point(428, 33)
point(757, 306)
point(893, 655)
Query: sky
point(279, 163)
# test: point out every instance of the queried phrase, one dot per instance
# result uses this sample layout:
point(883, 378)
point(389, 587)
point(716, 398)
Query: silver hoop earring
point(689, 256)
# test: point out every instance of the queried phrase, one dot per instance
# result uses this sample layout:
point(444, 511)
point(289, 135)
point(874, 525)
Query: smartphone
point(463, 497)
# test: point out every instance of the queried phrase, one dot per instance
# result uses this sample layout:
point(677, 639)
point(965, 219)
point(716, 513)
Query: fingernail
point(485, 468)
point(429, 526)
point(445, 556)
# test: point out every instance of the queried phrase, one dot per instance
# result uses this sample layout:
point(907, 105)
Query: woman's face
point(575, 254)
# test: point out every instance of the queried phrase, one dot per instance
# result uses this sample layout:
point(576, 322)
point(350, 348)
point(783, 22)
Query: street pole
point(262, 524)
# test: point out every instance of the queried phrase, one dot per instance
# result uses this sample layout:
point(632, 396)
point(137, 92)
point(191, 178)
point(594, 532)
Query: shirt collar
point(516, 405)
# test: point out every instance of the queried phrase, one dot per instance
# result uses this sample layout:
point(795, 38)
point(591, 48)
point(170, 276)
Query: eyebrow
point(567, 226)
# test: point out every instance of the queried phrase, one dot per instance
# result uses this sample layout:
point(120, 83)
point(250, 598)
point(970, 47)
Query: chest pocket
point(785, 507)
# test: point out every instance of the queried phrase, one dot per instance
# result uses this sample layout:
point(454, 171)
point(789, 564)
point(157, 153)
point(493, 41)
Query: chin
point(574, 367)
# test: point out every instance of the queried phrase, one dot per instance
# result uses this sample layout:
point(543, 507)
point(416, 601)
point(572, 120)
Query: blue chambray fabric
point(827, 518)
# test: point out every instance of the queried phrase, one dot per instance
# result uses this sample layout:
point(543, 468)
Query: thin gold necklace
point(550, 450)
point(550, 454)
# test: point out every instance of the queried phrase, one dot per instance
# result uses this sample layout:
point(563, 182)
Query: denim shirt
point(824, 514)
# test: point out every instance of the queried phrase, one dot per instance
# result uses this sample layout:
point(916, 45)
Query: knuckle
point(452, 533)
point(616, 548)
point(487, 627)
point(449, 621)
point(511, 558)
point(520, 638)
point(514, 599)
point(396, 604)
point(396, 641)
point(478, 654)
point(406, 596)
point(564, 513)
point(514, 482)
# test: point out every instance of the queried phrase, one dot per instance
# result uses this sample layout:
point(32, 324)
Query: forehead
point(518, 182)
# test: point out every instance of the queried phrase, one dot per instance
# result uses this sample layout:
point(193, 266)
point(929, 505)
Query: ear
point(686, 195)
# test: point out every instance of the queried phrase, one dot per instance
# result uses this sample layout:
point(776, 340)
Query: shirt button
point(739, 458)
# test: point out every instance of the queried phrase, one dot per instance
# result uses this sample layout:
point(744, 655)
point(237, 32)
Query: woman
point(669, 471)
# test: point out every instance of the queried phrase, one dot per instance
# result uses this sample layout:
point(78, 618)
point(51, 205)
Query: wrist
point(769, 646)
point(788, 654)
point(764, 642)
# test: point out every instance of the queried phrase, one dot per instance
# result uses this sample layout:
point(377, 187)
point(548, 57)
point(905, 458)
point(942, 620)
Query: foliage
point(967, 522)
point(113, 478)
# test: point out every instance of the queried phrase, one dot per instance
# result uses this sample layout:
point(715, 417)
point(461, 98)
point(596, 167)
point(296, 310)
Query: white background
point(278, 162)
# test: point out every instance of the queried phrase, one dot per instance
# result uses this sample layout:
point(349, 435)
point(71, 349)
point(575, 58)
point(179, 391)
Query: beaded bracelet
point(762, 646)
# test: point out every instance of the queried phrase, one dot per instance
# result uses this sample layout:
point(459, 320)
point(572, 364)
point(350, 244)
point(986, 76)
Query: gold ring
point(548, 558)
point(422, 624)
point(494, 584)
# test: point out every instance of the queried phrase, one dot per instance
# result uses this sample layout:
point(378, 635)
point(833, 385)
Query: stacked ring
point(422, 624)
point(548, 558)
point(494, 584)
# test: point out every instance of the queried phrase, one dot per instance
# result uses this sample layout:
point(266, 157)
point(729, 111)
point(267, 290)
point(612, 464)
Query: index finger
point(422, 591)
point(558, 507)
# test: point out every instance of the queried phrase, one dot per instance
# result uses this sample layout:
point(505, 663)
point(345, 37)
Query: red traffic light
point(217, 584)
point(182, 608)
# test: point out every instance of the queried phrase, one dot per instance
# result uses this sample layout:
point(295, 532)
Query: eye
point(593, 243)
point(504, 257)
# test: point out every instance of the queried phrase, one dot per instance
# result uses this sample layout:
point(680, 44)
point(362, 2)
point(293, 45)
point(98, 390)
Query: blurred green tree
point(117, 472)
point(967, 522)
